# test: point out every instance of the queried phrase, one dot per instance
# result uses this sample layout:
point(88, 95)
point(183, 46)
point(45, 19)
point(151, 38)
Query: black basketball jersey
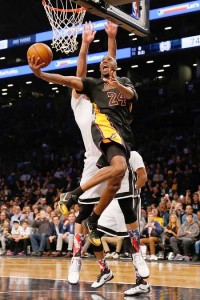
point(110, 100)
point(112, 110)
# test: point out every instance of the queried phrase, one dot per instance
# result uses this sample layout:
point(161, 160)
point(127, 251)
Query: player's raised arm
point(70, 81)
point(111, 30)
point(87, 38)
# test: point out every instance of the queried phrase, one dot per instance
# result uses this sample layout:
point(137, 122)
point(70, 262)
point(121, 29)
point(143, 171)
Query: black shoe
point(196, 257)
point(40, 253)
point(66, 202)
point(68, 199)
point(93, 236)
point(125, 255)
point(34, 253)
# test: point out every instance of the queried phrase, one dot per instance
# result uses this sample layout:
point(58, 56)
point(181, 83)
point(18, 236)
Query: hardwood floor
point(45, 278)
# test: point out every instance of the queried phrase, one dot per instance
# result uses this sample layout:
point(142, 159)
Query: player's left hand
point(112, 79)
point(88, 33)
point(111, 29)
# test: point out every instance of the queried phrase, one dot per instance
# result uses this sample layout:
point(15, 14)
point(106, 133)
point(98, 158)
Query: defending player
point(89, 198)
point(112, 220)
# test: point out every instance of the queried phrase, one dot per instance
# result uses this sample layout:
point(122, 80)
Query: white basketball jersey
point(83, 113)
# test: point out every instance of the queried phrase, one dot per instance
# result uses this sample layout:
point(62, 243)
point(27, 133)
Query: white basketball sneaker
point(138, 289)
point(102, 278)
point(74, 270)
point(140, 265)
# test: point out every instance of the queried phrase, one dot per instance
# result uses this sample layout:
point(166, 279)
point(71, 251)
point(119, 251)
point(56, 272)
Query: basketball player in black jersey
point(113, 98)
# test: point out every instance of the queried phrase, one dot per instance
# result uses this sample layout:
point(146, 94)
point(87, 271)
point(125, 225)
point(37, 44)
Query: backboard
point(130, 15)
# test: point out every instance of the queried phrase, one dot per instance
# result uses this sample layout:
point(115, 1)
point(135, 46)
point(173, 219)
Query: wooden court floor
point(45, 279)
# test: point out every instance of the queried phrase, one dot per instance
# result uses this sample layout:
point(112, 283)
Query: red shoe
point(9, 253)
point(58, 254)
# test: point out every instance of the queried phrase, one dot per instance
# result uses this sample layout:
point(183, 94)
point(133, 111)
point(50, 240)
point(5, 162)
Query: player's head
point(108, 63)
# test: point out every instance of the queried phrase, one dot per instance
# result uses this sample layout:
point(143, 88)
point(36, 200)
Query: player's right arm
point(138, 166)
point(111, 30)
point(69, 81)
point(87, 38)
point(141, 177)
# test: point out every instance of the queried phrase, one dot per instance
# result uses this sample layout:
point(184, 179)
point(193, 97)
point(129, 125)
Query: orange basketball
point(42, 51)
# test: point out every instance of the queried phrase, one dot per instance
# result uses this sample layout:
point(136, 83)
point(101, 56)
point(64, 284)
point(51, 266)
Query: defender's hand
point(88, 33)
point(111, 29)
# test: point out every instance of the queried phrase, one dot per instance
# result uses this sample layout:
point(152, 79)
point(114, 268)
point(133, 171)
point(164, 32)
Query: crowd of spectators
point(30, 216)
point(42, 155)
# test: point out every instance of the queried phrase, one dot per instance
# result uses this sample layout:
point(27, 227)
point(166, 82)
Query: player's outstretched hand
point(112, 80)
point(88, 33)
point(111, 29)
point(35, 65)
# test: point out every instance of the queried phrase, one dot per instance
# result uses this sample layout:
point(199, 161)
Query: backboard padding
point(103, 9)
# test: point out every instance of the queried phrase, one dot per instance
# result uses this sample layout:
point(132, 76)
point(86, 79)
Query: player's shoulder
point(135, 154)
point(92, 79)
point(78, 101)
point(136, 159)
point(124, 79)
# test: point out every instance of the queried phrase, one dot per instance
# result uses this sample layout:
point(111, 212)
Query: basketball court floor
point(45, 279)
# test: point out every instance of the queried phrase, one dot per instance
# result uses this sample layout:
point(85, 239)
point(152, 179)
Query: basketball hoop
point(65, 18)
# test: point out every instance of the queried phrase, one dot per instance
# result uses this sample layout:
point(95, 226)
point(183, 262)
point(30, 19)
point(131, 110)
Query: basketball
point(42, 51)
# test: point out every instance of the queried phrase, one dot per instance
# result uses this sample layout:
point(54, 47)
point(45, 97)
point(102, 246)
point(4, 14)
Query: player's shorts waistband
point(89, 201)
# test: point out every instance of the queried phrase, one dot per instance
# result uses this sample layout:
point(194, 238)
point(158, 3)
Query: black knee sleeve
point(127, 245)
point(84, 213)
point(97, 248)
point(126, 205)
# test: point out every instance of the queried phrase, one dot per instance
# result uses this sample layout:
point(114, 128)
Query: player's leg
point(112, 222)
point(90, 224)
point(141, 286)
point(75, 267)
point(116, 157)
point(105, 273)
point(130, 217)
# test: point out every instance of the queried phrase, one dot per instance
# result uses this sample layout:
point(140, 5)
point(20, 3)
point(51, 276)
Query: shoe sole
point(142, 292)
point(103, 282)
point(73, 283)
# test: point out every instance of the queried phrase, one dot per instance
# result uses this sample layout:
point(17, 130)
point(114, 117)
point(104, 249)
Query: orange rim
point(77, 10)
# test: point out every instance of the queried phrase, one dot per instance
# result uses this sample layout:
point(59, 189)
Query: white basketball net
point(65, 18)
